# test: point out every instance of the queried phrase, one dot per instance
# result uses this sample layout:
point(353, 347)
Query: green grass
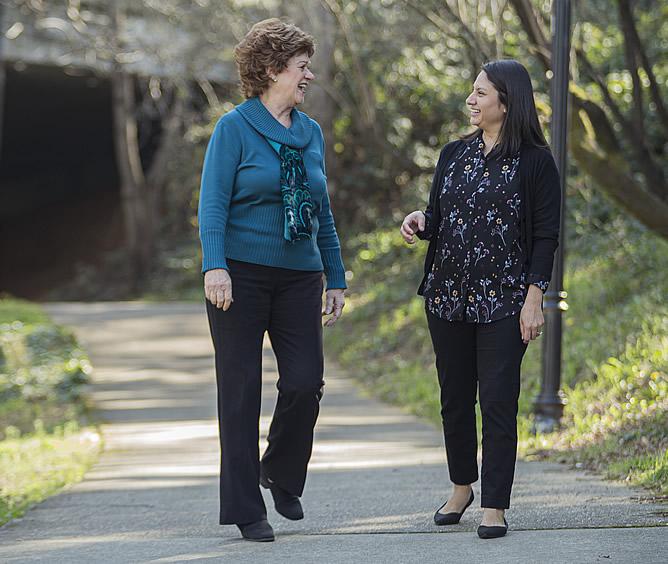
point(617, 422)
point(13, 310)
point(649, 471)
point(614, 371)
point(635, 452)
point(36, 466)
point(45, 444)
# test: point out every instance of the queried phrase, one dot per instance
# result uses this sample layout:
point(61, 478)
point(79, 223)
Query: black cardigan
point(540, 208)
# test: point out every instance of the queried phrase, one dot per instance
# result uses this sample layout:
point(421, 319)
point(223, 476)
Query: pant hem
point(494, 503)
point(230, 521)
point(464, 482)
point(290, 488)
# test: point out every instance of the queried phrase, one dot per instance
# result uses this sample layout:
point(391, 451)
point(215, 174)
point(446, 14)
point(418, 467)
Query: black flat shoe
point(453, 517)
point(495, 532)
point(258, 531)
point(285, 503)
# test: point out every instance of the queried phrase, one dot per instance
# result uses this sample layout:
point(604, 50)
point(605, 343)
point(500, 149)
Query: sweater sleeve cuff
point(334, 270)
point(538, 281)
point(213, 250)
point(426, 234)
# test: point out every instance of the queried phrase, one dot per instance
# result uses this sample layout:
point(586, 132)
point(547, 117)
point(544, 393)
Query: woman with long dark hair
point(492, 223)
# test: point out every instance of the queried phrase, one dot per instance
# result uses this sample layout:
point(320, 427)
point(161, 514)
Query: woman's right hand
point(218, 288)
point(413, 222)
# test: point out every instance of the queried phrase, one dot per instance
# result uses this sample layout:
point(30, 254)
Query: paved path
point(375, 479)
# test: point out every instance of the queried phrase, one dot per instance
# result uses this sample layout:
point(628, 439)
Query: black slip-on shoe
point(285, 503)
point(258, 531)
point(453, 517)
point(495, 532)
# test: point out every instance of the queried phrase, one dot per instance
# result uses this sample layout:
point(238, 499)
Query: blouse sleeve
point(539, 282)
point(429, 227)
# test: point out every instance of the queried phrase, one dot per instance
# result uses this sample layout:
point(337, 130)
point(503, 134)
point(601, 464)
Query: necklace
point(490, 144)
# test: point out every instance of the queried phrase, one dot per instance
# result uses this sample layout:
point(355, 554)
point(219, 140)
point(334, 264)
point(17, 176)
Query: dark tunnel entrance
point(58, 181)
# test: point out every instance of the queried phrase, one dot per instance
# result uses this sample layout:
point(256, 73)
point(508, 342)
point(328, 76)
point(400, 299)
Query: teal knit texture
point(241, 214)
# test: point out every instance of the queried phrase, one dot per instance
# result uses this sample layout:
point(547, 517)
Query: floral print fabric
point(477, 274)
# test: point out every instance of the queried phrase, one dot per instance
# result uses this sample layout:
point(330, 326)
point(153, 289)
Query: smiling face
point(486, 111)
point(291, 83)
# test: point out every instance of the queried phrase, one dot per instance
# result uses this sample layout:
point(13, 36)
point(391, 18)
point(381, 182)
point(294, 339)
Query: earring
point(274, 79)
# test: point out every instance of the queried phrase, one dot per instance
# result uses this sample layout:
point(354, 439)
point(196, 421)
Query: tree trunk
point(137, 215)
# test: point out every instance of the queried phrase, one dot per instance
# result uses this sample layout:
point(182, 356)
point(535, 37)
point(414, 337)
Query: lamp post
point(2, 74)
point(548, 406)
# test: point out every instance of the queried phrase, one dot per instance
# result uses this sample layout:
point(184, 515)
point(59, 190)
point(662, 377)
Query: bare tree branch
point(209, 92)
point(534, 30)
point(593, 74)
point(638, 123)
point(431, 16)
point(368, 106)
point(606, 162)
point(157, 172)
point(633, 39)
point(532, 26)
point(647, 164)
point(474, 40)
point(476, 53)
point(584, 141)
point(498, 7)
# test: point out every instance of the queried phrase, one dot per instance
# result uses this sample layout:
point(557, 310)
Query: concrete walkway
point(375, 479)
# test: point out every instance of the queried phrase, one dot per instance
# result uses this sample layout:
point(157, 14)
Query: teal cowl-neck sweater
point(241, 212)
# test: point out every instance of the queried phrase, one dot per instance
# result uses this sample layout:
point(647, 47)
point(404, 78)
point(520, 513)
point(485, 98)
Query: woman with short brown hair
point(266, 227)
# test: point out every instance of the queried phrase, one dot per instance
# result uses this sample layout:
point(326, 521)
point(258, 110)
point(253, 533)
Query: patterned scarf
point(296, 193)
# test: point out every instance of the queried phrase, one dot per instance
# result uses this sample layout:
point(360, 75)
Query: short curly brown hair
point(270, 44)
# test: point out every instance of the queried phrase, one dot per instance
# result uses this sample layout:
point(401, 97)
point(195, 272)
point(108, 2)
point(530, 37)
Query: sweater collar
point(258, 116)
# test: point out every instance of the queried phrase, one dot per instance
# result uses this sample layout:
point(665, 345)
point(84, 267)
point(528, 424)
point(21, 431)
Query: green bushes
point(41, 376)
point(617, 421)
point(43, 444)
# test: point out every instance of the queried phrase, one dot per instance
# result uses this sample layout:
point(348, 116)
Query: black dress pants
point(483, 357)
point(286, 304)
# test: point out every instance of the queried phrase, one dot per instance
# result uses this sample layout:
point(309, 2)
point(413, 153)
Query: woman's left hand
point(334, 304)
point(531, 316)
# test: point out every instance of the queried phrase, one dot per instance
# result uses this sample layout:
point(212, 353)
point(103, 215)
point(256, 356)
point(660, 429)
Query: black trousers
point(286, 304)
point(484, 357)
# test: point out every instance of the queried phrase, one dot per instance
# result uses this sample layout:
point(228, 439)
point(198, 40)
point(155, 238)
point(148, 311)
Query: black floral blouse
point(477, 273)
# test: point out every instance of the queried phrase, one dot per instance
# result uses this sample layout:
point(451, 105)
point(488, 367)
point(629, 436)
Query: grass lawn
point(38, 465)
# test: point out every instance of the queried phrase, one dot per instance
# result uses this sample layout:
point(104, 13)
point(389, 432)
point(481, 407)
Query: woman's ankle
point(460, 489)
point(491, 514)
point(460, 494)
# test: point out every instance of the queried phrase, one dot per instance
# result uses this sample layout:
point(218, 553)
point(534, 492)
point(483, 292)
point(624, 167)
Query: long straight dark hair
point(520, 126)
